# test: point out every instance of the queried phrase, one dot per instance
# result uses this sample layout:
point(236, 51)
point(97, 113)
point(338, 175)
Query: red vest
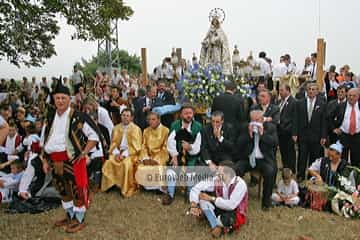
point(18, 141)
point(241, 209)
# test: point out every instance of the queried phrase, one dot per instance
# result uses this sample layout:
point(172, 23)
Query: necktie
point(310, 109)
point(252, 156)
point(313, 72)
point(352, 127)
point(282, 105)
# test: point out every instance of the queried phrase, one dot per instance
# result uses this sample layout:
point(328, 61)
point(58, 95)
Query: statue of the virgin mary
point(215, 48)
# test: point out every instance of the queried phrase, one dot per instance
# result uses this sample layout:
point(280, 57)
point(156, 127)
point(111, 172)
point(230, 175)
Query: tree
point(27, 28)
point(130, 62)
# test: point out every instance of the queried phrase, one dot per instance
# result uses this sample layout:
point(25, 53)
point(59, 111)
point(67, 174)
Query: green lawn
point(143, 217)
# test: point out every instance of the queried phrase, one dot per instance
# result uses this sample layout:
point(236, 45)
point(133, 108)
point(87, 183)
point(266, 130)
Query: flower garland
point(201, 85)
point(345, 200)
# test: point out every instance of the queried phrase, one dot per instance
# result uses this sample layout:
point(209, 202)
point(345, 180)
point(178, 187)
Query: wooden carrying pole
point(320, 62)
point(179, 54)
point(144, 71)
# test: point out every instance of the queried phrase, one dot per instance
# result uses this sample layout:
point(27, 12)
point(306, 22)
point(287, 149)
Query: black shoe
point(265, 208)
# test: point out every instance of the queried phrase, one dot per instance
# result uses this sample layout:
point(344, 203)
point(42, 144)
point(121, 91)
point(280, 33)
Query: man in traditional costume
point(226, 209)
point(154, 149)
point(184, 148)
point(124, 152)
point(68, 137)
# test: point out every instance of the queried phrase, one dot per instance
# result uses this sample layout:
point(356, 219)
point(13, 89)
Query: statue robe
point(215, 50)
point(122, 174)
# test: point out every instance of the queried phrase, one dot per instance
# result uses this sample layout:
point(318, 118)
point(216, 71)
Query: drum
point(317, 196)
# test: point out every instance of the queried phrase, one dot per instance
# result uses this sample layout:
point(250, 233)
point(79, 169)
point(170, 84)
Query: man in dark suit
point(346, 124)
point(287, 106)
point(232, 106)
point(217, 141)
point(255, 151)
point(330, 111)
point(302, 93)
point(164, 97)
point(271, 112)
point(142, 106)
point(309, 128)
point(331, 83)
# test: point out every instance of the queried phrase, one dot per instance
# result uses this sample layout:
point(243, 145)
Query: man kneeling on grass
point(223, 200)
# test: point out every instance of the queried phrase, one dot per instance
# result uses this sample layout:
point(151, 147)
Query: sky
point(274, 26)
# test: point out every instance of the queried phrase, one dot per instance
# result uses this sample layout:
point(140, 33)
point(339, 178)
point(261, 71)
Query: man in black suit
point(309, 128)
point(232, 106)
point(330, 111)
point(164, 97)
point(217, 141)
point(255, 150)
point(346, 124)
point(142, 106)
point(287, 106)
point(331, 83)
point(271, 112)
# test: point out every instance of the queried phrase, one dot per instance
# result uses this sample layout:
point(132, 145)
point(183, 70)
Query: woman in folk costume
point(67, 138)
point(153, 152)
point(124, 151)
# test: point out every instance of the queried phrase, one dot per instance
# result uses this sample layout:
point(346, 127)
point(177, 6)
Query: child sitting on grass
point(10, 182)
point(287, 191)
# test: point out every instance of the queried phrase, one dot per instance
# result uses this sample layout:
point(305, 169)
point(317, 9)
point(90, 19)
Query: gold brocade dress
point(122, 174)
point(154, 147)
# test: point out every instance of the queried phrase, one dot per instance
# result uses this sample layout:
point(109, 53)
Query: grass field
point(143, 217)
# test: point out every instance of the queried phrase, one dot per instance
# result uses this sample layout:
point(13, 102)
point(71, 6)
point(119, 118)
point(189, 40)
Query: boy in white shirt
point(10, 182)
point(287, 191)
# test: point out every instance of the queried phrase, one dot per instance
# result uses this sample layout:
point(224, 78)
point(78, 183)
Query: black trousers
point(351, 146)
point(94, 171)
point(287, 151)
point(309, 151)
point(267, 170)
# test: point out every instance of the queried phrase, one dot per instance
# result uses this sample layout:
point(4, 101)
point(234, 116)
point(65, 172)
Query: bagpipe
point(183, 135)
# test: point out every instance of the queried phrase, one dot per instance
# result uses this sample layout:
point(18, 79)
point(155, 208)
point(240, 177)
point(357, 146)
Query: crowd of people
point(98, 136)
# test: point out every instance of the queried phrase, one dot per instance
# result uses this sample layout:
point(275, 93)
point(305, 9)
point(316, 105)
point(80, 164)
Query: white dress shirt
point(195, 147)
point(225, 202)
point(310, 105)
point(279, 71)
point(313, 71)
point(10, 144)
point(58, 133)
point(345, 126)
point(264, 67)
point(105, 120)
point(283, 103)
